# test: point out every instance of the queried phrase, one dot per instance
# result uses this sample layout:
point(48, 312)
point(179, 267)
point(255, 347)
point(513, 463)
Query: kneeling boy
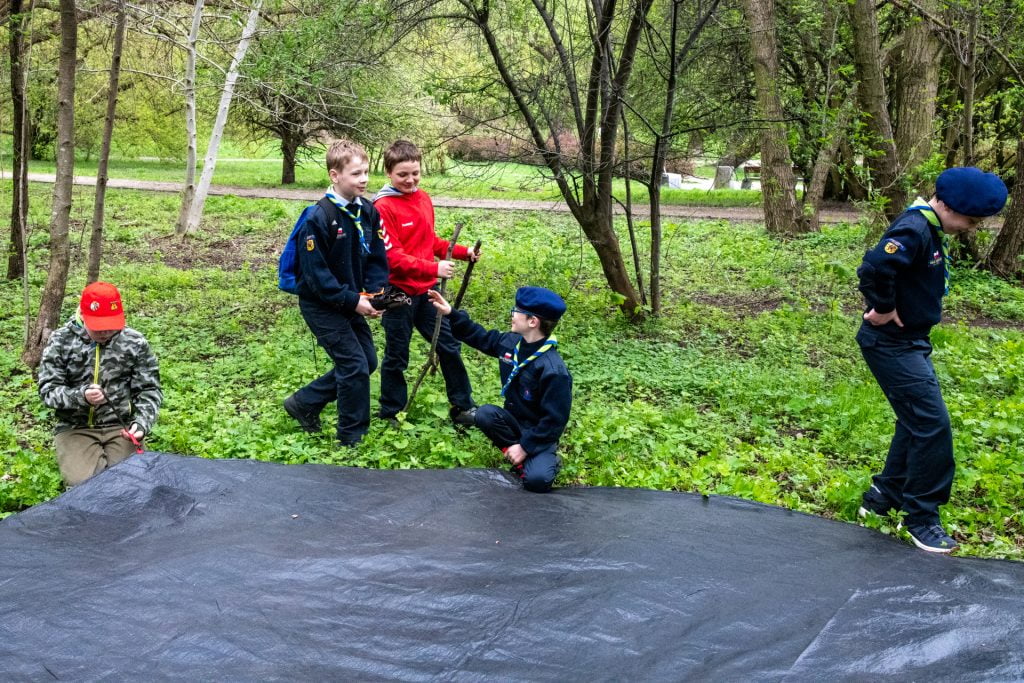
point(536, 385)
point(103, 381)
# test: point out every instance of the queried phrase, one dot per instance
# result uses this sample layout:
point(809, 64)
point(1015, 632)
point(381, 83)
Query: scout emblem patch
point(310, 244)
point(892, 246)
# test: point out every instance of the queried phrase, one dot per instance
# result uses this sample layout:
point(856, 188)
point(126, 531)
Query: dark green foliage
point(750, 384)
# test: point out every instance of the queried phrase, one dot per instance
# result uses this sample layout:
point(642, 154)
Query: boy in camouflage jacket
point(103, 382)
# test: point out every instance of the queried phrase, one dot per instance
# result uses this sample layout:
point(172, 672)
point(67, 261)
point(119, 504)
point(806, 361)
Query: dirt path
point(746, 214)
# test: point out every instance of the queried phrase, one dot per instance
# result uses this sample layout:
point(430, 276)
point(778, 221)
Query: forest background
point(709, 356)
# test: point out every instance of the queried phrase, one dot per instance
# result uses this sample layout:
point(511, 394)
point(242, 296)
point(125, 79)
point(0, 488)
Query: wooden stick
point(431, 357)
point(465, 277)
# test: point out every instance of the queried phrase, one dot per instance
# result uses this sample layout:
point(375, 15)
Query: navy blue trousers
point(918, 472)
point(501, 427)
point(398, 325)
point(349, 344)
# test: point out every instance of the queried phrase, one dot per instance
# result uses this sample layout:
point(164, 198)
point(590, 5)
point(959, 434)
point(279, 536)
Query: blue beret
point(970, 191)
point(540, 302)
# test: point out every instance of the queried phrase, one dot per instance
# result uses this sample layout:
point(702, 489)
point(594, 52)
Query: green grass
point(496, 180)
point(749, 385)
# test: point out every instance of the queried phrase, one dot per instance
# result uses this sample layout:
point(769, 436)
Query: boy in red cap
point(535, 383)
point(903, 280)
point(103, 381)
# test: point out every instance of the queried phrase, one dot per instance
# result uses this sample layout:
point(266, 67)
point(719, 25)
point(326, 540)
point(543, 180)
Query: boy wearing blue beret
point(535, 383)
point(903, 279)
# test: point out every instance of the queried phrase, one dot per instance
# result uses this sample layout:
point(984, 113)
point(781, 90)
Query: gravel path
point(844, 214)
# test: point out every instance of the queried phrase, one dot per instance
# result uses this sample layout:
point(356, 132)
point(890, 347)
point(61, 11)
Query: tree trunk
point(289, 146)
point(1004, 259)
point(662, 138)
point(96, 241)
point(189, 193)
point(917, 76)
point(778, 185)
point(873, 102)
point(596, 123)
point(969, 84)
point(195, 213)
point(823, 163)
point(57, 274)
point(19, 193)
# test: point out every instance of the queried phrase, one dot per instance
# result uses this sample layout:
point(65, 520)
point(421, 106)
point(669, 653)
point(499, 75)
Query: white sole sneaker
point(926, 548)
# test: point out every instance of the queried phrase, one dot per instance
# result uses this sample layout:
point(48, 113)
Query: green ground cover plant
point(749, 385)
point(492, 180)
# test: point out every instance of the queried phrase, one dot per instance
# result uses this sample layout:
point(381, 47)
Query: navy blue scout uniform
point(536, 385)
point(907, 272)
point(341, 253)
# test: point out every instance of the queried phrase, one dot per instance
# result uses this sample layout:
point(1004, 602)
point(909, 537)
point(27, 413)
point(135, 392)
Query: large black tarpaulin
point(173, 567)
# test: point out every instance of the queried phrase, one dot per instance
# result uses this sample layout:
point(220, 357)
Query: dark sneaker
point(464, 418)
point(874, 501)
point(309, 421)
point(931, 537)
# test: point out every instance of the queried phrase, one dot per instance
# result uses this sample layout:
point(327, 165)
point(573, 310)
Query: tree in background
point(192, 207)
point(57, 272)
point(17, 21)
point(778, 186)
point(560, 72)
point(96, 239)
point(299, 88)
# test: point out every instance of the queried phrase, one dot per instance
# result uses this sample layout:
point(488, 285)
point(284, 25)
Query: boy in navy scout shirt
point(343, 256)
point(535, 383)
point(903, 280)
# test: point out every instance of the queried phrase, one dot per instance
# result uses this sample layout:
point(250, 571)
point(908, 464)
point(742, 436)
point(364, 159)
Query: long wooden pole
point(437, 324)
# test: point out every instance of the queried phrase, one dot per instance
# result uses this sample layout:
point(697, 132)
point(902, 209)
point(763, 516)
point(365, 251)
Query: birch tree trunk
point(778, 185)
point(96, 240)
point(1004, 259)
point(190, 122)
point(19, 193)
point(57, 274)
point(195, 213)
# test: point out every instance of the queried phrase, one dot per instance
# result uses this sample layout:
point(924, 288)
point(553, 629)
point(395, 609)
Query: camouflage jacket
point(128, 374)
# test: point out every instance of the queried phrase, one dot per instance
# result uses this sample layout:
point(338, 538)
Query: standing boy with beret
point(103, 381)
point(535, 383)
point(903, 280)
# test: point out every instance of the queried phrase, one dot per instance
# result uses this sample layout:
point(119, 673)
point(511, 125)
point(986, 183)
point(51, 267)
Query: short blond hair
point(342, 152)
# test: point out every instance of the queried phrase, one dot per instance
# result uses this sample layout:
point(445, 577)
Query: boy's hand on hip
point(877, 319)
point(366, 309)
point(442, 306)
point(515, 454)
point(445, 269)
point(94, 395)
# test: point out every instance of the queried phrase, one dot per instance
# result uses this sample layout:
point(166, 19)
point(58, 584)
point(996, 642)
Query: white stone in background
point(674, 181)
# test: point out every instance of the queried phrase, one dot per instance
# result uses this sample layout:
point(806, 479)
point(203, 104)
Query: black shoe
point(307, 420)
point(930, 537)
point(463, 418)
point(873, 501)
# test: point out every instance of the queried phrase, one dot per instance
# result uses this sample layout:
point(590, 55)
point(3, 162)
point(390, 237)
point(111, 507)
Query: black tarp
point(174, 567)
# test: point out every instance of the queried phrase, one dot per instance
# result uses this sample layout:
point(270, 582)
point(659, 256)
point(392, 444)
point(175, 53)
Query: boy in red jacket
point(408, 214)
